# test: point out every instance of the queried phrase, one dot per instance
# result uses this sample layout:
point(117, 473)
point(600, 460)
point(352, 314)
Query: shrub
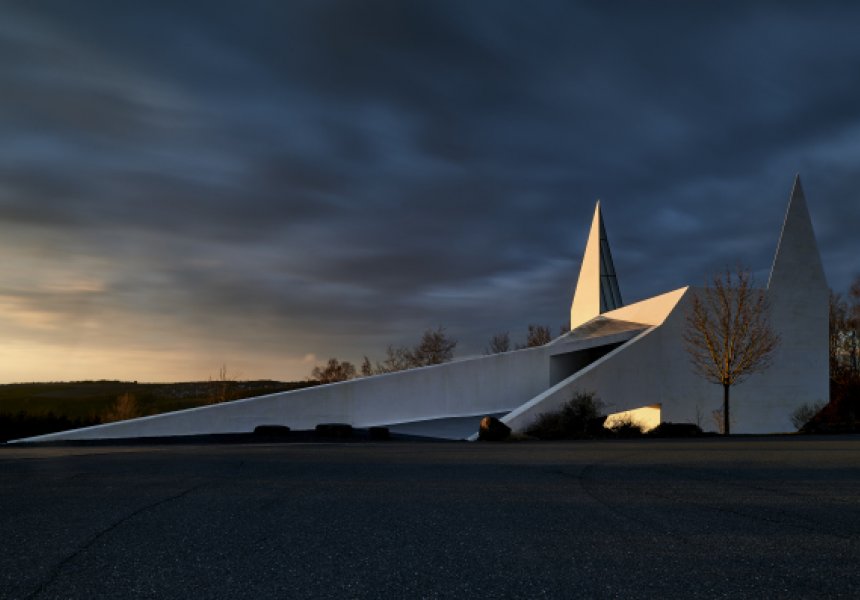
point(125, 407)
point(272, 430)
point(673, 430)
point(804, 413)
point(626, 427)
point(579, 417)
point(379, 433)
point(336, 430)
point(22, 425)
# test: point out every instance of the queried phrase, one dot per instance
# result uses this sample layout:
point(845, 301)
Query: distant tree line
point(842, 413)
point(844, 350)
point(435, 347)
point(845, 334)
point(538, 335)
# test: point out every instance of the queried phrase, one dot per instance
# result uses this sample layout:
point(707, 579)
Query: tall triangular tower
point(798, 296)
point(597, 287)
point(797, 264)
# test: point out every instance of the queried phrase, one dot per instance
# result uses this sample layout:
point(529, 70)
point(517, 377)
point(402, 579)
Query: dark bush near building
point(842, 413)
point(804, 413)
point(272, 430)
point(379, 433)
point(337, 430)
point(675, 430)
point(626, 428)
point(580, 417)
point(22, 425)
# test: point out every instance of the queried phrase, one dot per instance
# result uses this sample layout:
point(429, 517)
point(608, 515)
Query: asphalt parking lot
point(771, 517)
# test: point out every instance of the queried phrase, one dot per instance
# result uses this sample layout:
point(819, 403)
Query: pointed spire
point(597, 287)
point(797, 263)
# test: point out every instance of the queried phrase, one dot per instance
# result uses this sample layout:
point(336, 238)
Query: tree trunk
point(726, 427)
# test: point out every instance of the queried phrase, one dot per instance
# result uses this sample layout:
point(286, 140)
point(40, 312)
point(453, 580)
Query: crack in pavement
point(57, 570)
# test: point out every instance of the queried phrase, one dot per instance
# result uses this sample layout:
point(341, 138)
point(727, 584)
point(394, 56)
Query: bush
point(804, 413)
point(626, 427)
point(580, 417)
point(842, 414)
point(675, 430)
point(335, 430)
point(272, 430)
point(125, 407)
point(22, 425)
point(379, 433)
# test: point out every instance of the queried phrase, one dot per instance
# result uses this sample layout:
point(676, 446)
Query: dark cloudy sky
point(266, 184)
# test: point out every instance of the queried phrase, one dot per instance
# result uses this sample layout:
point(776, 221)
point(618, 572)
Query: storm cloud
point(265, 184)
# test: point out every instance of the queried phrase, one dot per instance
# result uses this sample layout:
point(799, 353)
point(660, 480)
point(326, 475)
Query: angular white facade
point(597, 286)
point(631, 356)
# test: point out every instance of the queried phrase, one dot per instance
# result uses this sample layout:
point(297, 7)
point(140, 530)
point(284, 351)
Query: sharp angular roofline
point(597, 288)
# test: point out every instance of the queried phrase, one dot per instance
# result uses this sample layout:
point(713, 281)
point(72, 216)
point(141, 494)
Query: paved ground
point(745, 517)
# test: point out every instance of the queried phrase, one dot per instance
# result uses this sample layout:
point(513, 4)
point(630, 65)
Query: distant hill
point(33, 408)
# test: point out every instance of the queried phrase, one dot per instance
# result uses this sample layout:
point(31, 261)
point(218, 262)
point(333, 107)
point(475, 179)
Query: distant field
point(83, 399)
point(32, 408)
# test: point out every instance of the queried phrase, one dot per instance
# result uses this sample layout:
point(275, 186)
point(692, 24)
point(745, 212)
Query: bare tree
point(434, 348)
point(538, 336)
point(125, 407)
point(838, 320)
point(844, 349)
point(397, 358)
point(221, 389)
point(728, 333)
point(719, 420)
point(499, 343)
point(804, 413)
point(845, 335)
point(854, 326)
point(333, 371)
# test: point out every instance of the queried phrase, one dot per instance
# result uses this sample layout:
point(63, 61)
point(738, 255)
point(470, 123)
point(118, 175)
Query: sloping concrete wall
point(476, 386)
point(654, 368)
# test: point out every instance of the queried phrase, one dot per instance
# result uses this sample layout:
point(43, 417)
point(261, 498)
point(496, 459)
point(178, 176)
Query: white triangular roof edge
point(797, 246)
point(597, 288)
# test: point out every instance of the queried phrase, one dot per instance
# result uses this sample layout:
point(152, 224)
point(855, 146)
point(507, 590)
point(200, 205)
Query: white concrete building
point(631, 356)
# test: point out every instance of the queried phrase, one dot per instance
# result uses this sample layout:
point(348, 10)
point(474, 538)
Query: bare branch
point(728, 334)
